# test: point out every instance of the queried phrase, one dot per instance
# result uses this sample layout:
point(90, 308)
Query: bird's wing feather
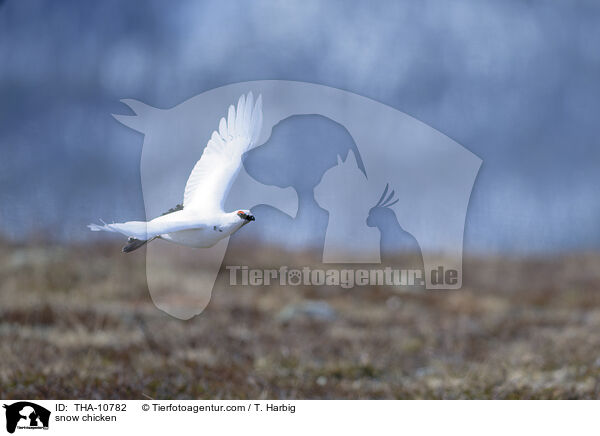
point(212, 176)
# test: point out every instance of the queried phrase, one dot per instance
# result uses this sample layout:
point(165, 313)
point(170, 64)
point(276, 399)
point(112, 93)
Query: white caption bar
point(150, 417)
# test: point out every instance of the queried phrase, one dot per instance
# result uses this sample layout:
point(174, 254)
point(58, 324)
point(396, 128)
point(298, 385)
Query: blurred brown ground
point(78, 323)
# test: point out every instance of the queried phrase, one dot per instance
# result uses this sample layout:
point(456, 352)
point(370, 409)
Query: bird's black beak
point(246, 216)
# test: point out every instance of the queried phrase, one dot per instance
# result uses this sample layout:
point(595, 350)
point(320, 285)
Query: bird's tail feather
point(134, 229)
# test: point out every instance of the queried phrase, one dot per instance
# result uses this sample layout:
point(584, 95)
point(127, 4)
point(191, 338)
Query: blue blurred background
point(516, 82)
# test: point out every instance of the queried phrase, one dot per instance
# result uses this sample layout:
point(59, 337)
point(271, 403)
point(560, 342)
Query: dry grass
point(79, 323)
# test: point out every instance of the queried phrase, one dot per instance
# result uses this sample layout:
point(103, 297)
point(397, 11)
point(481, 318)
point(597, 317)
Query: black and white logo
point(26, 415)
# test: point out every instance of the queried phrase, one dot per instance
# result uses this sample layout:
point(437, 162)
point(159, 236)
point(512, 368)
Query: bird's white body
point(201, 221)
point(210, 230)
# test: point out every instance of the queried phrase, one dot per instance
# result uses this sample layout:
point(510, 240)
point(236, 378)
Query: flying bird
point(200, 220)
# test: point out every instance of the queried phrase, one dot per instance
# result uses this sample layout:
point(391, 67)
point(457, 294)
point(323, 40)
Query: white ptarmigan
point(201, 221)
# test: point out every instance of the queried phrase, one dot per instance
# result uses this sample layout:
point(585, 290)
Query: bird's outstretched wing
point(212, 176)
